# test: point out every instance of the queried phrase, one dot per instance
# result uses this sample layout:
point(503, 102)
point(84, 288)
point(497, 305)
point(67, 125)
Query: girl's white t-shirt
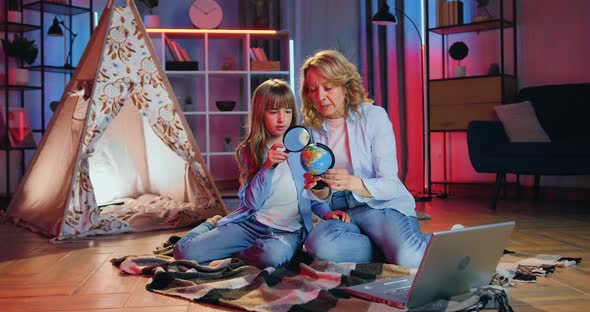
point(281, 210)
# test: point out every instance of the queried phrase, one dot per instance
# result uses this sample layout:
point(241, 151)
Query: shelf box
point(265, 66)
point(176, 65)
point(456, 102)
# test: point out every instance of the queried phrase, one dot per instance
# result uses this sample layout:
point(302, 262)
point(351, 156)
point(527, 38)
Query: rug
point(306, 285)
point(317, 286)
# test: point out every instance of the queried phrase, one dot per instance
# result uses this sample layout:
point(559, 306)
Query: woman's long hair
point(271, 94)
point(339, 71)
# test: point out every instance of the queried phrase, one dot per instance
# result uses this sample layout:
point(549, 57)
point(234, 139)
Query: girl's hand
point(310, 181)
point(338, 215)
point(276, 155)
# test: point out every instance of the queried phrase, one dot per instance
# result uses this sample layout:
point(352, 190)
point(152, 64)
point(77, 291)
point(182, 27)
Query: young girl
point(273, 219)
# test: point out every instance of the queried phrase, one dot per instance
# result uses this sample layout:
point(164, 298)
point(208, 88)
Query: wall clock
point(205, 14)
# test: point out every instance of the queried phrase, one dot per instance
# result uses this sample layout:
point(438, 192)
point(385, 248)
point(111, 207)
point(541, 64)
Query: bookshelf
point(28, 102)
point(454, 101)
point(227, 72)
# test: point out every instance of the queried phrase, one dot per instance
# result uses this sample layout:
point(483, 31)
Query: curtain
point(393, 77)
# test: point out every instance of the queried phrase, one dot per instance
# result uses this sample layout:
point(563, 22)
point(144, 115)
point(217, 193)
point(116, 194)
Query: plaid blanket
point(315, 286)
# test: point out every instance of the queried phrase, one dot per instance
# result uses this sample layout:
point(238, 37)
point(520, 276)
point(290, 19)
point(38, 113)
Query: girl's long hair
point(340, 72)
point(271, 94)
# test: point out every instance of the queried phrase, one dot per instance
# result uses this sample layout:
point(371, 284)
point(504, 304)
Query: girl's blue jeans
point(249, 240)
point(371, 235)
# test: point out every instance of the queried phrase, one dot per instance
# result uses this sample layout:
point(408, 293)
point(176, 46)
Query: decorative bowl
point(225, 106)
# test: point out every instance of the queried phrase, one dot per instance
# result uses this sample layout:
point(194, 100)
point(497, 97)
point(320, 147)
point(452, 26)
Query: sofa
point(563, 113)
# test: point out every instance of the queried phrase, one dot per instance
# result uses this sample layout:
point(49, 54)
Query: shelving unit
point(455, 101)
point(211, 49)
point(32, 97)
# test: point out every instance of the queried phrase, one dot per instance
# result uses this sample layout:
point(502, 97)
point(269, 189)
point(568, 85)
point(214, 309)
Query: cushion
point(562, 110)
point(520, 123)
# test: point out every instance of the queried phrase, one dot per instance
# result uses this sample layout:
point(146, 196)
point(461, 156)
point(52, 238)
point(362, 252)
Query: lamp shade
point(384, 17)
point(55, 30)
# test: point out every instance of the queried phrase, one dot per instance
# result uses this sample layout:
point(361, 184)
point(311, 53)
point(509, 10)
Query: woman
point(371, 213)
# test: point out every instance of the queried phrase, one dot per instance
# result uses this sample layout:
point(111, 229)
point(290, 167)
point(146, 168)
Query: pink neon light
point(211, 31)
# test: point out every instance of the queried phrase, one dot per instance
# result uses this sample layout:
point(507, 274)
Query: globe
point(317, 158)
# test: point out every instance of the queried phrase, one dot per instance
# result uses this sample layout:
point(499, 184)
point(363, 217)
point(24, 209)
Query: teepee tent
point(118, 155)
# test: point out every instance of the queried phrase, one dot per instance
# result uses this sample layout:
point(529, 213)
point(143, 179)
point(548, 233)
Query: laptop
point(455, 261)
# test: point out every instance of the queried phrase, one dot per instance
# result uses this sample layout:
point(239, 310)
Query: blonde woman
point(371, 213)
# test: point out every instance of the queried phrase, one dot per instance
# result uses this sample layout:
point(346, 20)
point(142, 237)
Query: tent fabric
point(124, 124)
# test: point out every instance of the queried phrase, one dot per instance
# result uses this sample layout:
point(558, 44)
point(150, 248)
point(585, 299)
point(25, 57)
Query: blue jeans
point(370, 234)
point(249, 240)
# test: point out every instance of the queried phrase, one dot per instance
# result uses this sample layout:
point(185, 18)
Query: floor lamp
point(384, 17)
point(56, 31)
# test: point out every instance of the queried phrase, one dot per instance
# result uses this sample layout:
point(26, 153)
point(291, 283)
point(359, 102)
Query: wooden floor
point(36, 275)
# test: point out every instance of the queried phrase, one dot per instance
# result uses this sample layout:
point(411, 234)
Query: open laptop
point(455, 261)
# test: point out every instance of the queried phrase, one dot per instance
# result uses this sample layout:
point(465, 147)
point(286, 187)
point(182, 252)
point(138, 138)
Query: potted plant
point(14, 14)
point(150, 20)
point(458, 51)
point(23, 51)
point(482, 11)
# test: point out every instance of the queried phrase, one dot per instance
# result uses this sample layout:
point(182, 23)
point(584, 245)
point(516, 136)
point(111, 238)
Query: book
point(251, 53)
point(259, 54)
point(20, 133)
point(178, 50)
point(450, 13)
point(442, 11)
point(185, 55)
point(174, 50)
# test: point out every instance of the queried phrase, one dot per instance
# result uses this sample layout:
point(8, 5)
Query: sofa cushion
point(520, 123)
point(562, 110)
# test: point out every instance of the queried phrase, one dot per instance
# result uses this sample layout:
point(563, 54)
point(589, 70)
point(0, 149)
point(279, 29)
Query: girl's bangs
point(280, 101)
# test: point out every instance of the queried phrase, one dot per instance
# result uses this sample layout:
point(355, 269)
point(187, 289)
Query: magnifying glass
point(316, 158)
point(295, 139)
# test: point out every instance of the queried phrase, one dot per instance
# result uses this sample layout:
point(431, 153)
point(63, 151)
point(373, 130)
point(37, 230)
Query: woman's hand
point(276, 155)
point(338, 215)
point(341, 180)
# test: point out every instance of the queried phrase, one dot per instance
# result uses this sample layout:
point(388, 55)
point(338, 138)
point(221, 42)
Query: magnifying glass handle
point(280, 149)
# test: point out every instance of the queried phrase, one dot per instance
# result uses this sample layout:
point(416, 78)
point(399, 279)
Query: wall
point(55, 50)
point(553, 48)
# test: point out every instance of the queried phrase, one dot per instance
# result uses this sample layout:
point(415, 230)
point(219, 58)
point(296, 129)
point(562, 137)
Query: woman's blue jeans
point(372, 234)
point(249, 240)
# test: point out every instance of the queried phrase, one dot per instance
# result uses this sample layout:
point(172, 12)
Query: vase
point(18, 76)
point(228, 148)
point(14, 16)
point(459, 71)
point(151, 21)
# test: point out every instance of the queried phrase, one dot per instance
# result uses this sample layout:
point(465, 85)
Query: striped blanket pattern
point(315, 286)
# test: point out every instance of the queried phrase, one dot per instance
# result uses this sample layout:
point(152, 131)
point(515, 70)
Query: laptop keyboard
point(399, 294)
